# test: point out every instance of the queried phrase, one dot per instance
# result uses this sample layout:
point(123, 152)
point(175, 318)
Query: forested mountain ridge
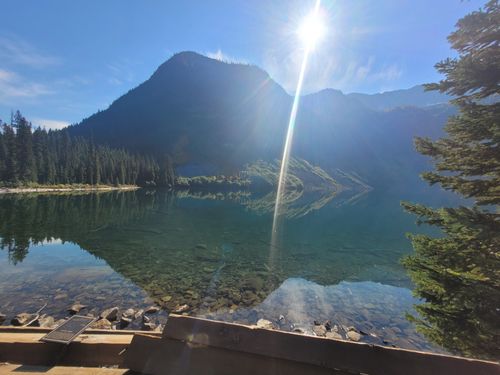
point(202, 116)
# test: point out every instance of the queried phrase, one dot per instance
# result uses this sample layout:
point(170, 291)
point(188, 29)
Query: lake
point(210, 255)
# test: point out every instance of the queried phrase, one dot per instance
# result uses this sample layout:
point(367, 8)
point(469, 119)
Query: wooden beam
point(318, 351)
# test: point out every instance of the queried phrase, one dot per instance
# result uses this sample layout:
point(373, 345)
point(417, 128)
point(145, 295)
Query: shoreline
point(69, 188)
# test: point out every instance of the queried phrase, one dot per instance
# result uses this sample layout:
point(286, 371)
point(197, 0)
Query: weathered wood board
point(218, 346)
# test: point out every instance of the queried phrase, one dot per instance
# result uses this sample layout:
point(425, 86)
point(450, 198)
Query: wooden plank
point(86, 350)
point(13, 329)
point(332, 354)
point(155, 356)
point(59, 370)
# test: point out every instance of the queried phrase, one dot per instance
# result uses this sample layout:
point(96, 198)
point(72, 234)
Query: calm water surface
point(337, 259)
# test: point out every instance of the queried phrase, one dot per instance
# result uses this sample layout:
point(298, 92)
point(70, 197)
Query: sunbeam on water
point(310, 39)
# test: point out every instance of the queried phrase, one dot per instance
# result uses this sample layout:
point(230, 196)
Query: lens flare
point(312, 37)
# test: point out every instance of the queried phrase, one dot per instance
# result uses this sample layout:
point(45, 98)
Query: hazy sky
point(61, 61)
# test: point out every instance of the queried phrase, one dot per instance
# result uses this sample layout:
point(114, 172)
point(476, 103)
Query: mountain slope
point(197, 109)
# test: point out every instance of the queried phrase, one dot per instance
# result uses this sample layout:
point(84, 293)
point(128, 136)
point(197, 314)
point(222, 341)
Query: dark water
point(336, 259)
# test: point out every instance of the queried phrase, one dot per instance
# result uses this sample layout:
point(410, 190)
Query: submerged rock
point(61, 296)
point(253, 283)
point(201, 246)
point(2, 318)
point(110, 314)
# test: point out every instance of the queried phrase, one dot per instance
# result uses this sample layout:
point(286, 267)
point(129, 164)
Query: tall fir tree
point(25, 158)
point(3, 151)
point(458, 274)
point(9, 141)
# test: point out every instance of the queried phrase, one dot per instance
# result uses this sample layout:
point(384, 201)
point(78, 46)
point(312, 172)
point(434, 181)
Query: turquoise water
point(338, 260)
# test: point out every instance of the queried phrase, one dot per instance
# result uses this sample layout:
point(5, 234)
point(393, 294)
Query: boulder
point(148, 326)
point(264, 323)
point(102, 324)
point(319, 330)
point(110, 314)
point(138, 314)
point(353, 335)
point(46, 321)
point(76, 307)
point(24, 319)
point(333, 335)
point(151, 310)
point(129, 314)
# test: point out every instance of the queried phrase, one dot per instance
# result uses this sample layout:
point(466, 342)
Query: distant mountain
point(213, 117)
point(415, 97)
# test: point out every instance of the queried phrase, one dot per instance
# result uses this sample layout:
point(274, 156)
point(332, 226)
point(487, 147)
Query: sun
point(312, 29)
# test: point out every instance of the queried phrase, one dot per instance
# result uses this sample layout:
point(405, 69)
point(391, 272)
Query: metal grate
point(69, 330)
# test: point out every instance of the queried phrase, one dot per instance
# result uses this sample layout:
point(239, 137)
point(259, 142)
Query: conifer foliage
point(54, 157)
point(458, 274)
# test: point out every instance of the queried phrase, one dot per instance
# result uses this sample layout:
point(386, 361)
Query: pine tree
point(458, 274)
point(3, 152)
point(25, 157)
point(9, 140)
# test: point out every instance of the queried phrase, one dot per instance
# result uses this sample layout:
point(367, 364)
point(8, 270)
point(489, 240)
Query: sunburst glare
point(312, 29)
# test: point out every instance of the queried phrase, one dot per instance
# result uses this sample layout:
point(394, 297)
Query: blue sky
point(61, 61)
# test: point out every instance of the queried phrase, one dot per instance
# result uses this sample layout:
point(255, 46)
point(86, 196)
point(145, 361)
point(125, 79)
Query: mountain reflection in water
point(138, 247)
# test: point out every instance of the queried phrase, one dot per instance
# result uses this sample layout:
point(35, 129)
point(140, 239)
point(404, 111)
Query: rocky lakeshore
point(153, 318)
